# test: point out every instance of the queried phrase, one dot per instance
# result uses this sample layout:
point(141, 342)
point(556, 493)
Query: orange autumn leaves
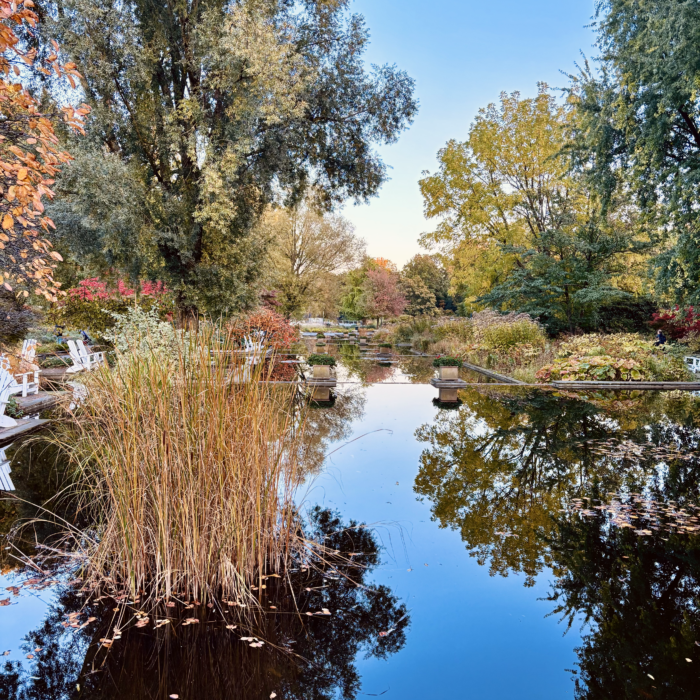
point(29, 160)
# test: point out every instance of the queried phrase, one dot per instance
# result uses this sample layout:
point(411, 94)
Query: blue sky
point(462, 54)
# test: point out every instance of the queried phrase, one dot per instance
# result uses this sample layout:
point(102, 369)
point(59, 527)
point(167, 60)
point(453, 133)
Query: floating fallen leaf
point(38, 649)
point(5, 653)
point(160, 623)
point(325, 611)
point(4, 601)
point(231, 627)
point(30, 656)
point(689, 661)
point(106, 642)
point(191, 621)
point(174, 696)
point(650, 676)
point(273, 607)
point(170, 604)
point(143, 622)
point(273, 695)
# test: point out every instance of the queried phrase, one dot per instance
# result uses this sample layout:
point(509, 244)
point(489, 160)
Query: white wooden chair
point(5, 480)
point(82, 359)
point(22, 379)
point(92, 359)
point(8, 387)
point(74, 355)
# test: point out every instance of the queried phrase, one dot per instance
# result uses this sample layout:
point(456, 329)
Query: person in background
point(86, 338)
point(660, 338)
point(58, 334)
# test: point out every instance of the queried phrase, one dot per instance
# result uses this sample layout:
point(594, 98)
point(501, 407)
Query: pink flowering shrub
point(89, 306)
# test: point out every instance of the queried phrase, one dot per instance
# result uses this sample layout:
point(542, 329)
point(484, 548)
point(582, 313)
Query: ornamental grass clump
point(186, 466)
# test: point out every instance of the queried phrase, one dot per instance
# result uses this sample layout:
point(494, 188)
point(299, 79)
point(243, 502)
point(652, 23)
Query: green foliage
point(421, 300)
point(320, 359)
point(447, 362)
point(201, 115)
point(639, 127)
point(620, 357)
point(50, 362)
point(12, 408)
point(143, 333)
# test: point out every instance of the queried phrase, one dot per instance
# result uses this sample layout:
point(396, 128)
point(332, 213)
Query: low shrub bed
point(617, 357)
point(320, 359)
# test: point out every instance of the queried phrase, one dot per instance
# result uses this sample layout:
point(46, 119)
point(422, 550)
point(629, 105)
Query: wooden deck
point(24, 426)
point(43, 401)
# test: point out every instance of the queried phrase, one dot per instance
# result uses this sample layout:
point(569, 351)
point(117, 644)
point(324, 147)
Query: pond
point(522, 544)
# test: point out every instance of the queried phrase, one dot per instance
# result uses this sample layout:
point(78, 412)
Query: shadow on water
point(504, 471)
point(304, 656)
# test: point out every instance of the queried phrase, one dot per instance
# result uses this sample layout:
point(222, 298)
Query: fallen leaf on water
point(325, 611)
point(142, 622)
point(650, 676)
point(4, 601)
point(106, 642)
point(689, 661)
point(191, 621)
point(160, 623)
point(170, 604)
point(5, 653)
point(30, 656)
point(38, 649)
point(231, 627)
point(273, 695)
point(273, 607)
point(174, 696)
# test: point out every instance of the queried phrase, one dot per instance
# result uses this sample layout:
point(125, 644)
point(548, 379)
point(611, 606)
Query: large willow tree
point(205, 111)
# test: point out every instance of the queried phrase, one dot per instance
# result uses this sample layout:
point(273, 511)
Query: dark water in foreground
point(486, 576)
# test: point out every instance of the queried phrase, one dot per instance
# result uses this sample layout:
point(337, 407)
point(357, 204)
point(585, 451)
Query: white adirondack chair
point(5, 480)
point(8, 387)
point(77, 365)
point(82, 359)
point(93, 359)
point(22, 379)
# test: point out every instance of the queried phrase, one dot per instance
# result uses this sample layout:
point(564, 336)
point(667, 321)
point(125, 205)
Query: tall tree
point(203, 111)
point(305, 247)
point(429, 272)
point(640, 125)
point(525, 229)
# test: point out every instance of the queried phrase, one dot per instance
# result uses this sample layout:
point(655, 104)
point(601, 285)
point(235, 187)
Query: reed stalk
point(187, 471)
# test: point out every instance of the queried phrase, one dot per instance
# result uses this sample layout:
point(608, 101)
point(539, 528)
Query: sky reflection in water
point(471, 509)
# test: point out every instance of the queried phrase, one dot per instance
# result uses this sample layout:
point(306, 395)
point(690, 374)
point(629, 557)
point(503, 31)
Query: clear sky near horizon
point(462, 55)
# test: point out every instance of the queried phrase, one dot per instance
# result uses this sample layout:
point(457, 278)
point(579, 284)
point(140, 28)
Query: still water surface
point(481, 580)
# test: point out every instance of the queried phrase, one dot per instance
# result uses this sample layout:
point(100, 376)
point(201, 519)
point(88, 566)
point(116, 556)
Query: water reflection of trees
point(639, 596)
point(305, 657)
point(499, 467)
point(325, 426)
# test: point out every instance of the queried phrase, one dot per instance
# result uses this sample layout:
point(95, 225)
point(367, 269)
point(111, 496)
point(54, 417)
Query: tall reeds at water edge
point(186, 465)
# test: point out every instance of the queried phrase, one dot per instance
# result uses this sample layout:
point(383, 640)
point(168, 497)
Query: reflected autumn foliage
point(500, 467)
point(304, 656)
